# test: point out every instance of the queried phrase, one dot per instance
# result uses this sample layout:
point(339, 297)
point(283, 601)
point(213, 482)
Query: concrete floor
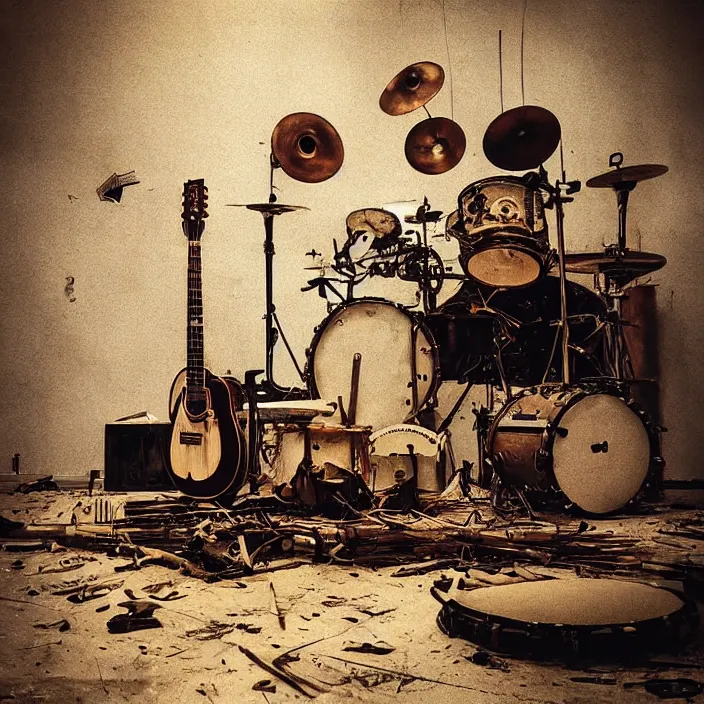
point(324, 607)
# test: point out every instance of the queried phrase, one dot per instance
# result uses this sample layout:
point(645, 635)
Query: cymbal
point(628, 174)
point(522, 138)
point(412, 88)
point(268, 208)
point(379, 222)
point(435, 145)
point(622, 267)
point(307, 147)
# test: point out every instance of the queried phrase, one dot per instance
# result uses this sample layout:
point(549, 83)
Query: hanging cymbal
point(412, 88)
point(379, 222)
point(307, 147)
point(435, 145)
point(627, 174)
point(522, 138)
point(622, 267)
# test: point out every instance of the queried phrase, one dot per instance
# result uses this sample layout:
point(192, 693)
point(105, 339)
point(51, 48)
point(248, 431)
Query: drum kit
point(567, 430)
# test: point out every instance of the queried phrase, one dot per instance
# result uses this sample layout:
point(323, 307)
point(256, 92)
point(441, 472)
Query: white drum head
point(601, 463)
point(381, 333)
point(503, 267)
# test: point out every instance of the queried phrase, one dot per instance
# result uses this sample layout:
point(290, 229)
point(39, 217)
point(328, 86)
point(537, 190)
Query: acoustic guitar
point(207, 456)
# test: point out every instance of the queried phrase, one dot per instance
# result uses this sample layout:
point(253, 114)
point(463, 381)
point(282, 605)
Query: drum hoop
point(416, 318)
point(456, 619)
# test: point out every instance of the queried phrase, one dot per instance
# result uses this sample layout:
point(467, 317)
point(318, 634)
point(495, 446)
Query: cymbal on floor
point(412, 88)
point(522, 138)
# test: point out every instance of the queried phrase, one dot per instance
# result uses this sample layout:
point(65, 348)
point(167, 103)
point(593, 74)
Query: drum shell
point(427, 382)
point(503, 213)
point(523, 452)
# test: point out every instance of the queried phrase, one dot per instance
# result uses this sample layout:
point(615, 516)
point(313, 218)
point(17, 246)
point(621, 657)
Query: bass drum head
point(602, 460)
point(382, 333)
point(504, 267)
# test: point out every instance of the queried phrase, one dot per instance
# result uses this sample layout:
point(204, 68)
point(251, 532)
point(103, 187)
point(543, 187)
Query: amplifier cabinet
point(136, 455)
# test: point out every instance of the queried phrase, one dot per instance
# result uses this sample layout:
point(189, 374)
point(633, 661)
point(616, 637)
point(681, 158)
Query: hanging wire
point(449, 62)
point(523, 26)
point(501, 75)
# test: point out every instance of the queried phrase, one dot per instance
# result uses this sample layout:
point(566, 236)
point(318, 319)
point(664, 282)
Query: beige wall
point(178, 90)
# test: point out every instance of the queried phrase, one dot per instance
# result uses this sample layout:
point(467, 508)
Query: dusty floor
point(325, 608)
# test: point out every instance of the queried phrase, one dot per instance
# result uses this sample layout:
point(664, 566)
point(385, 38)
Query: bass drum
point(478, 323)
point(399, 369)
point(588, 444)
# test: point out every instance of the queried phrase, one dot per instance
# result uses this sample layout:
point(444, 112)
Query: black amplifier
point(136, 455)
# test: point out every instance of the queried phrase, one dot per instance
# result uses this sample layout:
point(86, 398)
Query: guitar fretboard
point(194, 366)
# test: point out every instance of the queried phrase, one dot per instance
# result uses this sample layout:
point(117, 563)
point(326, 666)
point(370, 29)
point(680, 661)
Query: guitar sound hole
point(196, 403)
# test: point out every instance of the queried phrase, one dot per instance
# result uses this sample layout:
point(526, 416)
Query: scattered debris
point(62, 625)
point(682, 688)
point(481, 657)
point(88, 593)
point(66, 564)
point(111, 189)
point(43, 484)
point(378, 648)
point(138, 617)
point(274, 607)
point(212, 631)
point(264, 686)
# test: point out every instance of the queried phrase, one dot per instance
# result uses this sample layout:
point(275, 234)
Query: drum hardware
point(254, 439)
point(412, 88)
point(268, 389)
point(522, 138)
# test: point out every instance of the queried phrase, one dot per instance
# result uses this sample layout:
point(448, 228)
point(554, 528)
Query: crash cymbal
point(269, 208)
point(307, 147)
point(622, 267)
point(628, 174)
point(380, 223)
point(522, 138)
point(435, 145)
point(412, 88)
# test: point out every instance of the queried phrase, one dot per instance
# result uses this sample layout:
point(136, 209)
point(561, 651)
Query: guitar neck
point(195, 372)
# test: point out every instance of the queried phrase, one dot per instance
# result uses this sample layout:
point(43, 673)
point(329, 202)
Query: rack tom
point(503, 232)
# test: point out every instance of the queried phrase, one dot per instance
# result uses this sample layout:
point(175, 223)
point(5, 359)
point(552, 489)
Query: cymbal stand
point(558, 198)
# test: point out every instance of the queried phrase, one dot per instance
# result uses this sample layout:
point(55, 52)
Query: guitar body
point(207, 453)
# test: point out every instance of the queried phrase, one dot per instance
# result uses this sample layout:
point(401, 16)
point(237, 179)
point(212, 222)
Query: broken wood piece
point(274, 607)
point(304, 687)
point(378, 648)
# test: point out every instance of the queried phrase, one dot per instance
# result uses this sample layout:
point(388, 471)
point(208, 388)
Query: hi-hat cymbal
point(435, 145)
point(307, 147)
point(268, 208)
point(412, 88)
point(379, 222)
point(522, 138)
point(628, 174)
point(622, 267)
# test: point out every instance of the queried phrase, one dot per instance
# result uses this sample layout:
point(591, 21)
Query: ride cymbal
point(628, 174)
point(379, 222)
point(412, 88)
point(522, 138)
point(307, 147)
point(435, 145)
point(622, 267)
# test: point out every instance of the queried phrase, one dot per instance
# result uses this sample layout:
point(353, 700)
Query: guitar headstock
point(195, 208)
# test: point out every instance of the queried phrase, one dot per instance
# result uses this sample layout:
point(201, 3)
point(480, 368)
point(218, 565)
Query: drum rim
point(547, 439)
point(414, 316)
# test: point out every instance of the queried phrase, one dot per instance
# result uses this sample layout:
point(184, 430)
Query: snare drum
point(589, 445)
point(399, 367)
point(390, 457)
point(503, 232)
